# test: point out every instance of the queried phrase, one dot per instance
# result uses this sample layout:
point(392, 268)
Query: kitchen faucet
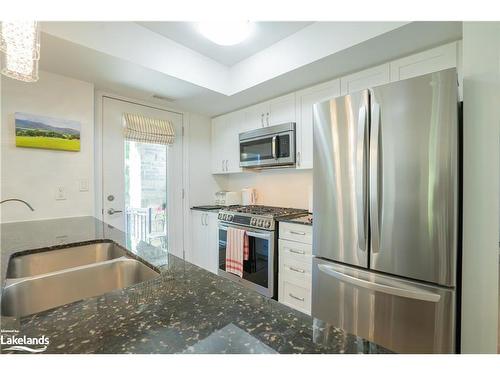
point(18, 200)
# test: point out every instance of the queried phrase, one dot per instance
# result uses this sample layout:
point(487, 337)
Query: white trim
point(99, 96)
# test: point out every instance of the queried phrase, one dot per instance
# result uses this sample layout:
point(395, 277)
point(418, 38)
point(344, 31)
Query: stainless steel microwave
point(272, 146)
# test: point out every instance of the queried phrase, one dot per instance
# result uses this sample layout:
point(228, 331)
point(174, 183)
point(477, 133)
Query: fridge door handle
point(413, 293)
point(375, 168)
point(361, 208)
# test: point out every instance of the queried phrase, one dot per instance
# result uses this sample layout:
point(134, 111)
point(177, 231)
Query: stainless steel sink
point(56, 260)
point(99, 270)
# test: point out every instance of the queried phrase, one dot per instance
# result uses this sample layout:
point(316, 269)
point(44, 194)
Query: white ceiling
point(264, 34)
point(191, 81)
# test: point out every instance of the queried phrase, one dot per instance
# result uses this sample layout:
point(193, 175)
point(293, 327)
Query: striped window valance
point(146, 129)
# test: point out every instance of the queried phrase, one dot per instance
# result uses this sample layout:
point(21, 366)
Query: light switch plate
point(83, 184)
point(60, 193)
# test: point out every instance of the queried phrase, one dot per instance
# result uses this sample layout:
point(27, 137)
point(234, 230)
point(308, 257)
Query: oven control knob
point(260, 222)
point(268, 224)
point(225, 217)
point(219, 216)
point(230, 217)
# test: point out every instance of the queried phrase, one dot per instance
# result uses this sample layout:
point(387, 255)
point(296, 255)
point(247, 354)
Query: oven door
point(259, 269)
point(268, 150)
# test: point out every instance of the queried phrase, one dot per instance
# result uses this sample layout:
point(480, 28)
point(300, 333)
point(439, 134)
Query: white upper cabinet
point(379, 75)
point(273, 112)
point(433, 60)
point(218, 132)
point(281, 110)
point(255, 116)
point(305, 102)
point(225, 142)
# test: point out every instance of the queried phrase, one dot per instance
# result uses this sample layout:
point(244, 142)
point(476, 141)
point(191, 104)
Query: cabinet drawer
point(300, 252)
point(297, 273)
point(296, 232)
point(295, 296)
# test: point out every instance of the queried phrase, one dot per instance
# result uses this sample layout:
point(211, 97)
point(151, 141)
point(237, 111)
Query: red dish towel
point(237, 250)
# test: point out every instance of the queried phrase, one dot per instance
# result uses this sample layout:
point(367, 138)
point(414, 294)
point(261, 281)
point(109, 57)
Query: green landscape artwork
point(45, 132)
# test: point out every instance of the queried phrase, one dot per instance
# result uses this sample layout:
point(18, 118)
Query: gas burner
point(262, 217)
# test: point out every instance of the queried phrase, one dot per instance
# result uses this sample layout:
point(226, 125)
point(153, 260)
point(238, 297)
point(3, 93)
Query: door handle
point(296, 270)
point(227, 167)
point(267, 118)
point(375, 196)
point(413, 293)
point(298, 233)
point(361, 207)
point(112, 211)
point(262, 120)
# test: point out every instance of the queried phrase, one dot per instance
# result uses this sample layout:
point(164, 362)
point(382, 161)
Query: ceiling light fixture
point(226, 33)
point(20, 50)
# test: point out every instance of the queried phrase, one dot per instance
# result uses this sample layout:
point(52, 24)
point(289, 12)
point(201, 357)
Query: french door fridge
point(385, 213)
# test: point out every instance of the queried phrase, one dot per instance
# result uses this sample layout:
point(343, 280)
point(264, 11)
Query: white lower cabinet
point(204, 249)
point(295, 266)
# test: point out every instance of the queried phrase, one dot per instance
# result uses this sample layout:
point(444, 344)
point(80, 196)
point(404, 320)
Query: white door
point(142, 182)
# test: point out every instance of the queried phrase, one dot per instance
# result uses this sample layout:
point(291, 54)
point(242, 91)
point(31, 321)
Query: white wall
point(276, 187)
point(481, 65)
point(34, 174)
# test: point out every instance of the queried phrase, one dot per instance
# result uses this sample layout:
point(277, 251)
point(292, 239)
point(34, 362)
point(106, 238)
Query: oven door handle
point(264, 236)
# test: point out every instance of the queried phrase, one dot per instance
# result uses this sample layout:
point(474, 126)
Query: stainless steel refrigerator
point(386, 210)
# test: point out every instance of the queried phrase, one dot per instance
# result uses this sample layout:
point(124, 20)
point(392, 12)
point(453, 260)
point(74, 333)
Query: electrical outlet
point(83, 184)
point(60, 193)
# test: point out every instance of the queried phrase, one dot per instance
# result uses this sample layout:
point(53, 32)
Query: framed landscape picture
point(45, 132)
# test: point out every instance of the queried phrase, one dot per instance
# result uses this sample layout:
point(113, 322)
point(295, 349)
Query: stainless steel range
point(260, 271)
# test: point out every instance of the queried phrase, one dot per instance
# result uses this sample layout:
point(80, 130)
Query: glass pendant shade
point(20, 49)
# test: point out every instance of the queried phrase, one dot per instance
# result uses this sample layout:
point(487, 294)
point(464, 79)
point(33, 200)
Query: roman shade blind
point(146, 129)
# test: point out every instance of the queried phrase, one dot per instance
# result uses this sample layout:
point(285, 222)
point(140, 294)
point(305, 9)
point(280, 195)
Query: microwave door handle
point(275, 147)
point(411, 293)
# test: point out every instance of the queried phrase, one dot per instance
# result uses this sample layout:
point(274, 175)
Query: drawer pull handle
point(298, 233)
point(295, 297)
point(296, 270)
point(301, 252)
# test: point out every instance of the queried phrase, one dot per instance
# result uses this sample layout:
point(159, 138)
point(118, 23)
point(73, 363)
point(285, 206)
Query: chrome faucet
point(18, 200)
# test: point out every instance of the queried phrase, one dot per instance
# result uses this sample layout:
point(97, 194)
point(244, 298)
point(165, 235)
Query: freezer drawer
point(403, 316)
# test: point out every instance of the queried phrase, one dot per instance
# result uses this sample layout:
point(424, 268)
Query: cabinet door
point(305, 102)
point(231, 146)
point(212, 244)
point(217, 144)
point(198, 238)
point(255, 116)
point(281, 110)
point(379, 75)
point(433, 60)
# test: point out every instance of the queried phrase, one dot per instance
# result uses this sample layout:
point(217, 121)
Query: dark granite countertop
point(304, 219)
point(184, 310)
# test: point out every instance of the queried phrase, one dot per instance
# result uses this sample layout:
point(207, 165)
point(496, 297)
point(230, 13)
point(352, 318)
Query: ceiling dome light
point(225, 33)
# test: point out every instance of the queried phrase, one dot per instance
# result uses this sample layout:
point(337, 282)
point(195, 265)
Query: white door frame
point(98, 155)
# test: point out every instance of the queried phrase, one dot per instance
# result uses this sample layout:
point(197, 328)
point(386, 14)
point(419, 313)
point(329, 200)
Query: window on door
point(146, 193)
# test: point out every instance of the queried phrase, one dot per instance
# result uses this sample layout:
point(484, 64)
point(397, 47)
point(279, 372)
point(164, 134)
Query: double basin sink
point(44, 280)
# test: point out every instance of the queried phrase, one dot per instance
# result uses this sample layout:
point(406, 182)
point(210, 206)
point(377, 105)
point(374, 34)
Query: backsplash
point(276, 187)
